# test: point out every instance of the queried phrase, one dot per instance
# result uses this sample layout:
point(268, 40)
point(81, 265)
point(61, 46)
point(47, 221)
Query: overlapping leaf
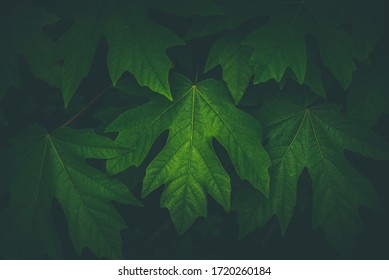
point(366, 25)
point(234, 14)
point(44, 166)
point(135, 44)
point(313, 79)
point(280, 44)
point(188, 165)
point(314, 137)
point(234, 60)
point(21, 33)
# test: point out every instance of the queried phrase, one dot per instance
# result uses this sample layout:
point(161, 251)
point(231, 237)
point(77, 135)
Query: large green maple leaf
point(188, 165)
point(313, 137)
point(135, 44)
point(44, 166)
point(21, 33)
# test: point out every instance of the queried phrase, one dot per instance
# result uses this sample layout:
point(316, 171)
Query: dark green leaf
point(314, 137)
point(136, 44)
point(22, 33)
point(337, 52)
point(313, 79)
point(278, 45)
point(44, 166)
point(234, 60)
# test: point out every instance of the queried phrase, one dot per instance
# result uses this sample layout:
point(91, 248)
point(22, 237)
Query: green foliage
point(280, 43)
point(314, 137)
point(47, 165)
point(234, 60)
point(21, 34)
point(279, 87)
point(136, 44)
point(188, 165)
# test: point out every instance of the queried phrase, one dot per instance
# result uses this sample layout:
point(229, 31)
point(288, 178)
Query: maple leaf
point(314, 137)
point(188, 165)
point(44, 166)
point(21, 33)
point(338, 53)
point(234, 60)
point(280, 43)
point(136, 44)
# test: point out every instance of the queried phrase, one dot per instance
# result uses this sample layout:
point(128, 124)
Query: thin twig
point(86, 107)
point(165, 226)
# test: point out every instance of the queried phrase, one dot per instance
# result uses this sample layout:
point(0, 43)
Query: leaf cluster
point(223, 103)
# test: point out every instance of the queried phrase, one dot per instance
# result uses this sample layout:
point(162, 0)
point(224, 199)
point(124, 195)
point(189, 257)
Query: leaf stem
point(164, 227)
point(197, 75)
point(86, 107)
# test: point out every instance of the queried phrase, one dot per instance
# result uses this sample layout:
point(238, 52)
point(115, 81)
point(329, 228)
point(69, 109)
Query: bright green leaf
point(188, 165)
point(44, 166)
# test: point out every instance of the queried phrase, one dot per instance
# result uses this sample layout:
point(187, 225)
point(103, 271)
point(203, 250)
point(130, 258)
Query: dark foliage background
point(150, 233)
